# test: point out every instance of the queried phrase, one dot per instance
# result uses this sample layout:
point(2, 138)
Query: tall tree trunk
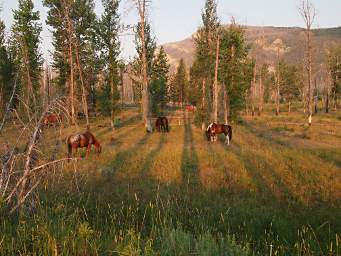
point(289, 107)
point(261, 94)
point(203, 102)
point(72, 86)
point(29, 86)
point(70, 56)
point(253, 91)
point(278, 84)
point(84, 96)
point(216, 87)
point(226, 107)
point(145, 89)
point(112, 93)
point(308, 14)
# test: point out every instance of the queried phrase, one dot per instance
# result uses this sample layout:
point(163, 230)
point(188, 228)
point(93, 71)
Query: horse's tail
point(69, 148)
point(230, 131)
point(167, 125)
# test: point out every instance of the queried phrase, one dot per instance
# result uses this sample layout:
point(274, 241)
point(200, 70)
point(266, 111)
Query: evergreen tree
point(137, 64)
point(205, 41)
point(26, 34)
point(181, 82)
point(75, 55)
point(150, 44)
point(236, 69)
point(158, 86)
point(6, 69)
point(291, 82)
point(57, 21)
point(108, 33)
point(334, 66)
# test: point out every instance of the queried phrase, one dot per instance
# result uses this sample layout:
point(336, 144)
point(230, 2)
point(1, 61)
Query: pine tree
point(26, 34)
point(291, 83)
point(205, 40)
point(181, 81)
point(334, 66)
point(235, 67)
point(6, 70)
point(75, 54)
point(158, 86)
point(145, 52)
point(108, 32)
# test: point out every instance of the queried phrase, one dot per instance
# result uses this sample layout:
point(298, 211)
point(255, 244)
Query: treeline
point(225, 78)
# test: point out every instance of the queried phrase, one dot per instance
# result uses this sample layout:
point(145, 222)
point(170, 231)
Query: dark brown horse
point(52, 119)
point(84, 140)
point(214, 129)
point(161, 124)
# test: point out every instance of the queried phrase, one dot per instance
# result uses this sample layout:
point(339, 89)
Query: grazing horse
point(52, 119)
point(214, 129)
point(84, 140)
point(162, 124)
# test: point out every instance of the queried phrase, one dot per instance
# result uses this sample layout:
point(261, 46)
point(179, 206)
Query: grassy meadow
point(276, 190)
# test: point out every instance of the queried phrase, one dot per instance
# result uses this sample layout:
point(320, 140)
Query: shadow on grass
point(148, 160)
point(329, 156)
point(189, 162)
point(265, 189)
point(122, 157)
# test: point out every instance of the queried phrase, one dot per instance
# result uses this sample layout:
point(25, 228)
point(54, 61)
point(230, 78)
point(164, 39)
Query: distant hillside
point(263, 42)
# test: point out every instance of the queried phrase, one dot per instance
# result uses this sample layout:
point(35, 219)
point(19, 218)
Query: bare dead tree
point(9, 104)
point(308, 13)
point(17, 181)
point(141, 6)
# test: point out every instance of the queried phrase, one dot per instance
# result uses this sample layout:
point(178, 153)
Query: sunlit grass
point(276, 188)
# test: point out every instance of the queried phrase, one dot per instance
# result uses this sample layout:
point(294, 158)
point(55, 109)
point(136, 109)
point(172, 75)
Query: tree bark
point(84, 99)
point(145, 90)
point(278, 84)
point(216, 87)
point(112, 92)
point(308, 14)
point(203, 88)
point(261, 94)
point(70, 56)
point(226, 106)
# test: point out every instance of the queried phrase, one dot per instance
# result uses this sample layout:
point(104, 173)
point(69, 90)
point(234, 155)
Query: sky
point(174, 20)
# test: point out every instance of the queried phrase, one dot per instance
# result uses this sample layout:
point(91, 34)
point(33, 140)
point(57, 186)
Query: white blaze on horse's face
point(75, 138)
point(209, 127)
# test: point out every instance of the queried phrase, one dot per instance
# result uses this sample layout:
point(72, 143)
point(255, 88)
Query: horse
point(161, 124)
point(52, 119)
point(214, 129)
point(190, 108)
point(84, 140)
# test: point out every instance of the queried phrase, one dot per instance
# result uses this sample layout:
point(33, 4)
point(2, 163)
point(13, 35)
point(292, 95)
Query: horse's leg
point(88, 148)
point(227, 141)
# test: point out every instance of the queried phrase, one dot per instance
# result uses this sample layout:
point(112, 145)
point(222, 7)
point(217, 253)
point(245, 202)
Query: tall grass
point(271, 193)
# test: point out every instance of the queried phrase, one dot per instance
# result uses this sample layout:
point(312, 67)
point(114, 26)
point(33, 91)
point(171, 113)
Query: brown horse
point(161, 124)
point(84, 140)
point(52, 119)
point(214, 129)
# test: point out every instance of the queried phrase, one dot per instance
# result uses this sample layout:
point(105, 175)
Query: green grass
point(275, 191)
